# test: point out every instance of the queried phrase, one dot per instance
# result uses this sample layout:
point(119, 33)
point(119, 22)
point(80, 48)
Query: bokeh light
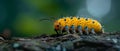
point(98, 8)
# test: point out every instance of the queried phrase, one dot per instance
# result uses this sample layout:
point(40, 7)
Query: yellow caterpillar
point(77, 25)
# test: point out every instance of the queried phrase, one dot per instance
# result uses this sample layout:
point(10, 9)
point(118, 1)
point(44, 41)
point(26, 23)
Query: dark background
point(22, 17)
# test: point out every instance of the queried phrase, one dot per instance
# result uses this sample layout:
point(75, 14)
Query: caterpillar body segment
point(77, 25)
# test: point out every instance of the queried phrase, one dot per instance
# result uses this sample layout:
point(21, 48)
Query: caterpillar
point(79, 25)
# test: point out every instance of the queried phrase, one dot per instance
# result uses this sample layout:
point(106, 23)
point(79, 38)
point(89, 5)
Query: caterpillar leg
point(86, 30)
point(73, 29)
point(67, 29)
point(61, 31)
point(102, 30)
point(56, 31)
point(93, 31)
point(80, 30)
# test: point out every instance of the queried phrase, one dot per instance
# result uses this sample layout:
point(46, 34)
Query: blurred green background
point(22, 17)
